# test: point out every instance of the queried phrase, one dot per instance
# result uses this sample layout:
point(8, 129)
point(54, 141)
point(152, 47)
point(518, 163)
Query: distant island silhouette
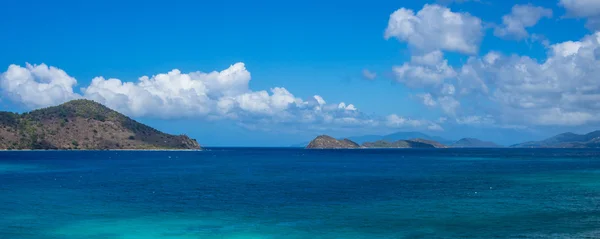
point(566, 140)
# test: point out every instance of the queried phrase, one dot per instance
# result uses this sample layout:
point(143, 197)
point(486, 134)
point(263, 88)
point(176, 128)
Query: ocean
point(295, 193)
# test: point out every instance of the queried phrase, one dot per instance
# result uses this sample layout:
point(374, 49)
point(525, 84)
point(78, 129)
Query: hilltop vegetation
point(83, 124)
point(328, 142)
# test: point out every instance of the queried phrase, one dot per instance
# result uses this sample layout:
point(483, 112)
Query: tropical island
point(83, 124)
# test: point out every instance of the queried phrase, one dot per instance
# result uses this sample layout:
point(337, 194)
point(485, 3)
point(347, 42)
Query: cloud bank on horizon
point(511, 90)
point(215, 95)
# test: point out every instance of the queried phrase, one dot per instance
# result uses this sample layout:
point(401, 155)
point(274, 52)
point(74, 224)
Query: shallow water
point(295, 193)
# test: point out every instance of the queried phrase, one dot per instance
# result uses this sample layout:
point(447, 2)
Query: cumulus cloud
point(429, 33)
point(396, 121)
point(444, 98)
point(427, 99)
point(470, 80)
point(214, 95)
point(581, 8)
point(435, 127)
point(177, 94)
point(436, 28)
point(521, 17)
point(369, 75)
point(561, 90)
point(448, 104)
point(589, 9)
point(37, 85)
point(475, 120)
point(319, 100)
point(448, 89)
point(558, 116)
point(426, 70)
point(343, 106)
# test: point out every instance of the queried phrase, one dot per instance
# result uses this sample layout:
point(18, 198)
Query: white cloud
point(566, 49)
point(263, 103)
point(426, 70)
point(435, 127)
point(433, 58)
point(37, 85)
point(470, 78)
point(343, 106)
point(396, 121)
point(427, 99)
point(562, 90)
point(172, 94)
point(399, 121)
point(448, 104)
point(369, 75)
point(448, 89)
point(431, 32)
point(581, 8)
point(558, 116)
point(214, 95)
point(177, 94)
point(589, 9)
point(445, 100)
point(224, 94)
point(475, 120)
point(521, 17)
point(319, 100)
point(436, 28)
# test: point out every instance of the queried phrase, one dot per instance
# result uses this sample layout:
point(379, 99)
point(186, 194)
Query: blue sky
point(431, 64)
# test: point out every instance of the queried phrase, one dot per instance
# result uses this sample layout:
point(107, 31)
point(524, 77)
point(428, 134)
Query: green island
point(83, 125)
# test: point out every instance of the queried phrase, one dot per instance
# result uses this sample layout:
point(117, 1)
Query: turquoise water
point(295, 193)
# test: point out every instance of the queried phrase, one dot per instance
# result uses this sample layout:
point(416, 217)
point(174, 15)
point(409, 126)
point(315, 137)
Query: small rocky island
point(83, 124)
point(328, 142)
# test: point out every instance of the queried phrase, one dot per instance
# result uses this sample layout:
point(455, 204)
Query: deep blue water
point(296, 193)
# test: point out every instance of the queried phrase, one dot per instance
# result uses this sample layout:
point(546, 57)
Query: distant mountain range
point(328, 142)
point(402, 144)
point(565, 140)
